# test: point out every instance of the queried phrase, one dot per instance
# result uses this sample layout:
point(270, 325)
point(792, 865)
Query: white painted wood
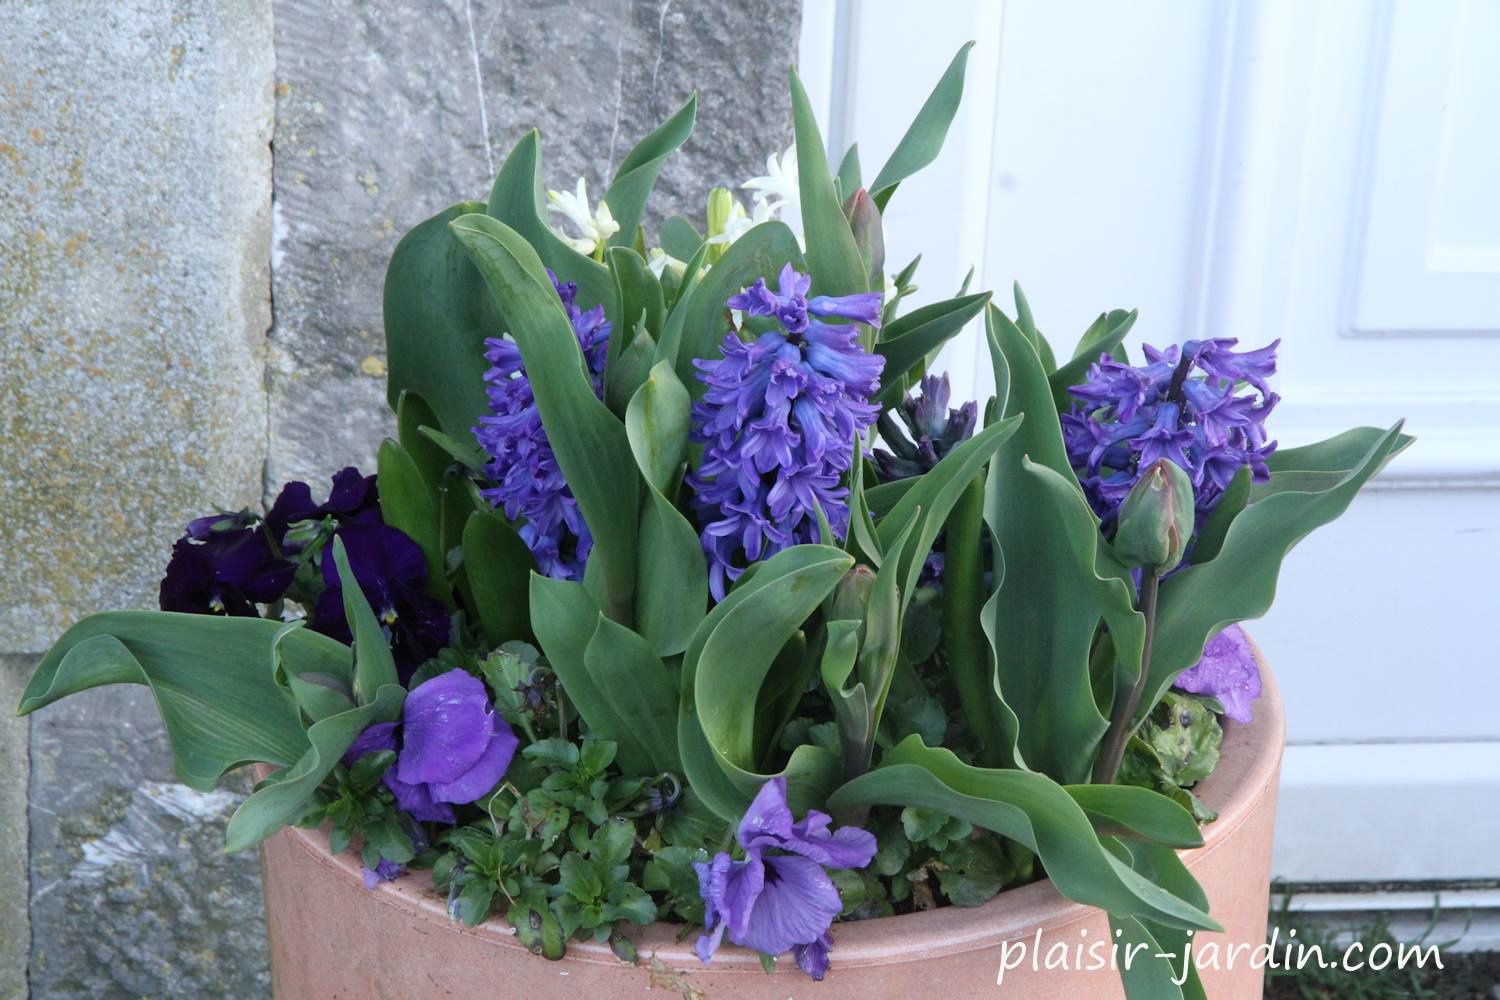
point(1323, 173)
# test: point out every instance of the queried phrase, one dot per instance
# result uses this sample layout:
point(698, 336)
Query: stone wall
point(186, 320)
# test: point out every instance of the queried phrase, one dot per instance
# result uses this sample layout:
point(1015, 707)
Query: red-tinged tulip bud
point(1156, 519)
point(869, 235)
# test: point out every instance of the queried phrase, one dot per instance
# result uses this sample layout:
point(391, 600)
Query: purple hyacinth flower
point(392, 574)
point(453, 748)
point(224, 565)
point(529, 484)
point(784, 901)
point(1183, 405)
point(778, 421)
point(931, 430)
point(1227, 672)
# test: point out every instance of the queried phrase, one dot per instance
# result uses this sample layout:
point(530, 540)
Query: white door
point(1324, 173)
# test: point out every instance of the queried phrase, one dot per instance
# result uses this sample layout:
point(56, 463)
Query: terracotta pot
point(331, 937)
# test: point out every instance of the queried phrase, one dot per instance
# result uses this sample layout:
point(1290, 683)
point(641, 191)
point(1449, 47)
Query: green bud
point(852, 595)
point(720, 210)
point(1156, 519)
point(864, 223)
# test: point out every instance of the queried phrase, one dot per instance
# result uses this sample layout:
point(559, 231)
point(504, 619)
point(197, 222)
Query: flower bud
point(852, 595)
point(1156, 519)
point(864, 223)
point(720, 208)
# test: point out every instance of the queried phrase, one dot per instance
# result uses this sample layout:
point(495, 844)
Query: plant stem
point(1122, 726)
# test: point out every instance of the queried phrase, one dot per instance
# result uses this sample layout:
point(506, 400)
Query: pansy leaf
point(833, 258)
point(637, 175)
point(588, 440)
point(1030, 809)
point(216, 719)
point(437, 314)
point(924, 137)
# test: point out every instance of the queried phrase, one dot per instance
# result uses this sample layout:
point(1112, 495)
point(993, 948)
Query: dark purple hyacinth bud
point(224, 565)
point(1182, 405)
point(528, 482)
point(778, 421)
point(931, 430)
point(392, 574)
point(452, 747)
point(779, 898)
point(1227, 672)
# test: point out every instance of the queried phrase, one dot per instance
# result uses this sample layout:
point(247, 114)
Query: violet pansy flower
point(783, 901)
point(1227, 672)
point(452, 747)
point(529, 483)
point(778, 420)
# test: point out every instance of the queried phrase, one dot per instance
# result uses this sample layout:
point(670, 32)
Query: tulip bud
point(864, 223)
point(852, 595)
point(1156, 519)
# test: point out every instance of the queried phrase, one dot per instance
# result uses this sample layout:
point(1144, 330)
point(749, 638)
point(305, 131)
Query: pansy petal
point(447, 724)
point(795, 906)
point(486, 772)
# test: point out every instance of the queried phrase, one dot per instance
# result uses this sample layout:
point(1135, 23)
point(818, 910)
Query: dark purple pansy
point(392, 573)
point(778, 422)
point(1227, 672)
point(354, 498)
point(451, 747)
point(224, 565)
point(1182, 405)
point(781, 901)
point(528, 482)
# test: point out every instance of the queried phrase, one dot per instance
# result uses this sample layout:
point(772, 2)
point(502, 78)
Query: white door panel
point(1323, 173)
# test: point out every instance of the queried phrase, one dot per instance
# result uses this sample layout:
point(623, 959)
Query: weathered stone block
point(134, 165)
point(15, 767)
point(386, 114)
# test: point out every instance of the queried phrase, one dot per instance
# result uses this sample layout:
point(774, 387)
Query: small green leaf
point(679, 239)
point(374, 667)
point(628, 193)
point(907, 341)
point(832, 256)
point(924, 137)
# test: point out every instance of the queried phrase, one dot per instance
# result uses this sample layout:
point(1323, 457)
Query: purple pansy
point(528, 482)
point(1227, 672)
point(785, 901)
point(392, 573)
point(384, 871)
point(353, 498)
point(224, 565)
point(1181, 405)
point(452, 747)
point(778, 420)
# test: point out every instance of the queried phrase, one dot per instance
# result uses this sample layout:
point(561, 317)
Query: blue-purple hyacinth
point(452, 747)
point(528, 482)
point(1181, 405)
point(779, 421)
point(783, 900)
point(932, 430)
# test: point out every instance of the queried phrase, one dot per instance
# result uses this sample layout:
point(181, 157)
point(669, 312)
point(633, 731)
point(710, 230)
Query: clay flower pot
point(331, 937)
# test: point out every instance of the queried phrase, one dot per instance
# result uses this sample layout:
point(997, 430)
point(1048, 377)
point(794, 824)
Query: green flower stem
point(1122, 725)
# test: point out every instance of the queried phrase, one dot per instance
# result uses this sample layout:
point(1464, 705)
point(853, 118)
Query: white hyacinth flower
point(658, 260)
point(739, 223)
point(597, 226)
point(778, 186)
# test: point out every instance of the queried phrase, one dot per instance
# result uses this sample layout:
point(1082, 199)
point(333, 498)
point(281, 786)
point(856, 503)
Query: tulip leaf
point(517, 200)
point(1042, 620)
point(437, 314)
point(833, 258)
point(679, 239)
point(924, 137)
point(909, 339)
point(637, 175)
point(1104, 336)
point(700, 320)
point(432, 460)
point(848, 172)
point(589, 441)
point(565, 619)
point(727, 662)
point(1131, 811)
point(622, 664)
point(1030, 809)
point(408, 502)
point(641, 301)
point(374, 666)
point(211, 677)
point(284, 798)
point(499, 567)
point(1308, 488)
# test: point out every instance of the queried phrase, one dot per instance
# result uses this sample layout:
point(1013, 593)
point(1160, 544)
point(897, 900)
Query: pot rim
point(1249, 763)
